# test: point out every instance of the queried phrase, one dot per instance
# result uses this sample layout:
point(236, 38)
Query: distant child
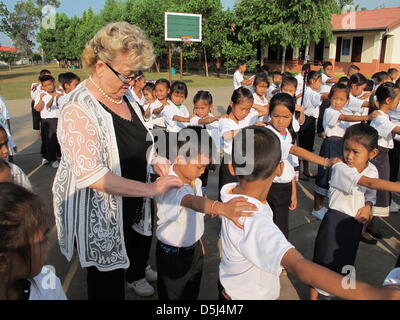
point(253, 257)
point(312, 100)
point(353, 69)
point(46, 103)
point(238, 77)
point(25, 247)
point(380, 78)
point(5, 123)
point(180, 226)
point(388, 96)
point(69, 82)
point(328, 77)
point(35, 90)
point(162, 93)
point(344, 80)
point(276, 84)
point(137, 90)
point(351, 197)
point(335, 124)
point(301, 82)
point(394, 74)
point(18, 176)
point(260, 87)
point(150, 96)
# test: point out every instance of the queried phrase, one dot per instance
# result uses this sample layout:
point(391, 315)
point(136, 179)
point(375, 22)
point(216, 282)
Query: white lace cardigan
point(89, 151)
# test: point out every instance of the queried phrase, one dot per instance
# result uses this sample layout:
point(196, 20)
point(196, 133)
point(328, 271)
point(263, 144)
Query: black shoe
point(368, 241)
point(374, 233)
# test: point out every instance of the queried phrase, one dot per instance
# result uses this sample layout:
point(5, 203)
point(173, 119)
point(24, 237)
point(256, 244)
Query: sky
point(76, 7)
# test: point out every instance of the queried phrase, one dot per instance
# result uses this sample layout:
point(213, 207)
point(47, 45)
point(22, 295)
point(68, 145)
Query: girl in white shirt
point(238, 77)
point(358, 103)
point(137, 90)
point(24, 248)
point(260, 86)
point(388, 96)
point(351, 197)
point(335, 124)
point(162, 93)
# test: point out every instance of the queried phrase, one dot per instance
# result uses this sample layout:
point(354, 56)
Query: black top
point(132, 147)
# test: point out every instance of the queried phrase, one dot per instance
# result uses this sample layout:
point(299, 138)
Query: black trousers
point(50, 146)
point(279, 199)
point(179, 272)
point(35, 117)
point(307, 134)
point(394, 158)
point(105, 285)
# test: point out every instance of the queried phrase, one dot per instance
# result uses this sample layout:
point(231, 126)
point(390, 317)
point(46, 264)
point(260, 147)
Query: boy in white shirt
point(276, 84)
point(180, 226)
point(238, 77)
point(253, 258)
point(46, 104)
point(35, 89)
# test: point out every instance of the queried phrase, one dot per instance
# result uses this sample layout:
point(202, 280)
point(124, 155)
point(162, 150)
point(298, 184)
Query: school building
point(369, 39)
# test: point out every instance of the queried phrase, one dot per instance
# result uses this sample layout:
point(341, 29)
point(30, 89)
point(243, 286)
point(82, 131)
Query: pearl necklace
point(105, 94)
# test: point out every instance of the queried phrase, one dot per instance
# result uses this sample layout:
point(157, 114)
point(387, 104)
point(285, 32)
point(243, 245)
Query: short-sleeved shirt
point(300, 86)
point(46, 286)
point(237, 80)
point(178, 226)
point(227, 125)
point(271, 89)
point(212, 129)
point(35, 91)
point(286, 145)
point(355, 107)
point(260, 101)
point(251, 258)
point(19, 177)
point(325, 78)
point(384, 127)
point(332, 125)
point(48, 113)
point(140, 101)
point(156, 119)
point(312, 102)
point(172, 110)
point(345, 195)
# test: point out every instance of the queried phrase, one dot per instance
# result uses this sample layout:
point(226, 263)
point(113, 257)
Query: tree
point(9, 57)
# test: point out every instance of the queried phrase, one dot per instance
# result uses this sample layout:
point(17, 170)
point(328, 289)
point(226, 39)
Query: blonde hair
point(116, 38)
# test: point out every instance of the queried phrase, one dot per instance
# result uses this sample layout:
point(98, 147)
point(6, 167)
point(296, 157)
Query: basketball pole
point(170, 63)
point(181, 73)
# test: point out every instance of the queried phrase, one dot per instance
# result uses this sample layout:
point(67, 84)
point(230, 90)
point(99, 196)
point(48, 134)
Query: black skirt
point(307, 134)
point(332, 147)
point(337, 241)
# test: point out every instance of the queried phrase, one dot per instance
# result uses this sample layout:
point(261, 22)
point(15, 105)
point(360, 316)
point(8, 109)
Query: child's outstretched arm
point(311, 157)
point(209, 120)
point(379, 184)
point(233, 210)
point(262, 110)
point(319, 277)
point(181, 119)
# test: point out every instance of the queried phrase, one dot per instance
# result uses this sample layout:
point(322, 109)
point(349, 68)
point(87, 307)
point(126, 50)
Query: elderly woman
point(101, 183)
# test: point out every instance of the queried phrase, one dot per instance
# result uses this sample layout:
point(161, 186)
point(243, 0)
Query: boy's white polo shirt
point(251, 258)
point(238, 78)
point(178, 226)
point(384, 126)
point(48, 113)
point(169, 112)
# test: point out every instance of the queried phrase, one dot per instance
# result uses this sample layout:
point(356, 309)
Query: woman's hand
point(161, 166)
point(237, 208)
point(163, 184)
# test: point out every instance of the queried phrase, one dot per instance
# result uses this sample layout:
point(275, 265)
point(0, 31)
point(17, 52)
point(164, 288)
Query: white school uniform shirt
point(46, 286)
point(4, 117)
point(140, 101)
point(251, 258)
point(156, 119)
point(227, 125)
point(261, 101)
point(312, 102)
point(345, 195)
point(384, 126)
point(325, 78)
point(19, 177)
point(300, 84)
point(395, 118)
point(271, 89)
point(178, 226)
point(48, 113)
point(286, 144)
point(212, 129)
point(168, 114)
point(238, 78)
point(35, 92)
point(332, 125)
point(355, 107)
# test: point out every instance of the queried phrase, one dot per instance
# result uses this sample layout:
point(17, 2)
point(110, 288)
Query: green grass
point(16, 84)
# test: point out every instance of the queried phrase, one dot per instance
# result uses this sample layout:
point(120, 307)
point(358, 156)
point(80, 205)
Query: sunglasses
point(121, 77)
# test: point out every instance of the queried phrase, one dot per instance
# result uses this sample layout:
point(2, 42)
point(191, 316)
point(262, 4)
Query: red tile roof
point(10, 49)
point(379, 19)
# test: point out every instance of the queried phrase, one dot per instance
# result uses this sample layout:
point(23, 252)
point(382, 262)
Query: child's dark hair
point(267, 153)
point(392, 71)
point(287, 101)
point(179, 87)
point(203, 96)
point(195, 138)
point(240, 63)
point(344, 80)
point(289, 81)
point(380, 77)
point(2, 129)
point(238, 96)
point(22, 214)
point(313, 75)
point(286, 74)
point(370, 85)
point(363, 134)
point(339, 87)
point(354, 67)
point(306, 67)
point(386, 90)
point(44, 72)
point(67, 78)
point(61, 78)
point(398, 83)
point(327, 64)
point(149, 87)
point(265, 69)
point(260, 78)
point(357, 79)
point(276, 73)
point(46, 78)
point(139, 75)
point(164, 82)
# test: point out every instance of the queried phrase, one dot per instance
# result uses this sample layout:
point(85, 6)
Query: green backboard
point(178, 25)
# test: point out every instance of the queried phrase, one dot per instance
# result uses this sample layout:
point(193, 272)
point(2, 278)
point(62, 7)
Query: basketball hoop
point(187, 39)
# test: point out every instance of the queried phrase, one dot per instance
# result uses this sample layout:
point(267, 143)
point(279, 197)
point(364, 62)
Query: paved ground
point(373, 262)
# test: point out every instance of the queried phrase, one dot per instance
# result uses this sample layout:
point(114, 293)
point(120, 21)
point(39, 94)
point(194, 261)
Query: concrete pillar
point(377, 51)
